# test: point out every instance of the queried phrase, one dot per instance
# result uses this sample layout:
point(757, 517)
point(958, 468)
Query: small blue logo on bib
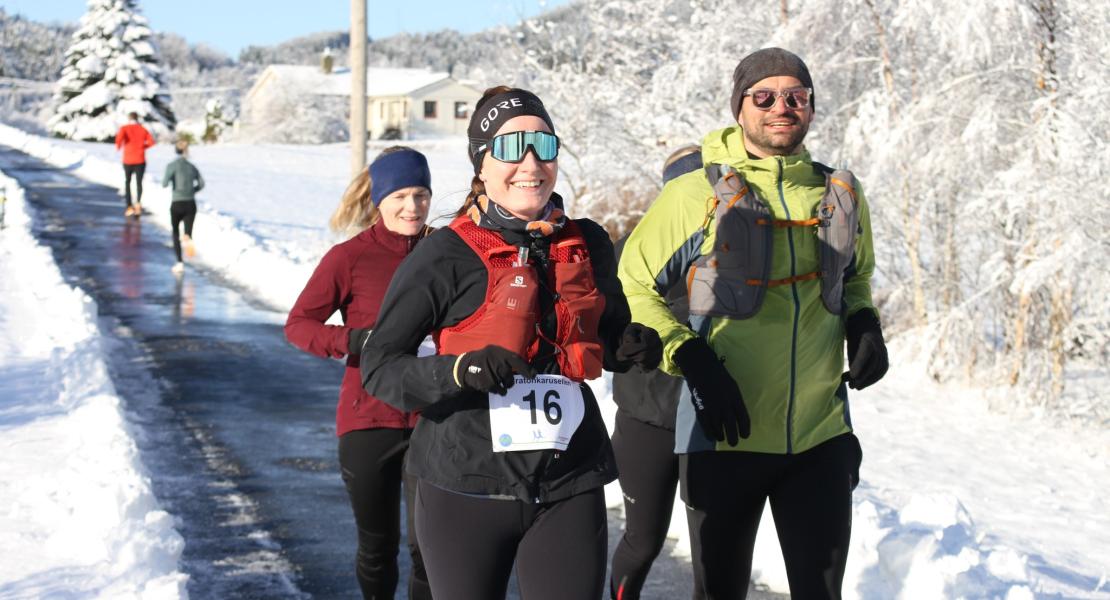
point(506, 440)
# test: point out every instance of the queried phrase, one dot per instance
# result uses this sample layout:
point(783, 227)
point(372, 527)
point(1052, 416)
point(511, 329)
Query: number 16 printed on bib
point(541, 413)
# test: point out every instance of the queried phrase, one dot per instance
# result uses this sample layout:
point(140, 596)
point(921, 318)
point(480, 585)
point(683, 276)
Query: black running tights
point(471, 542)
point(811, 501)
point(649, 476)
point(181, 211)
point(371, 461)
point(136, 171)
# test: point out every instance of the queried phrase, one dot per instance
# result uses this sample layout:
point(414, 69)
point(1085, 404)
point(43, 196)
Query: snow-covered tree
point(216, 121)
point(30, 50)
point(627, 82)
point(295, 116)
point(111, 69)
point(974, 128)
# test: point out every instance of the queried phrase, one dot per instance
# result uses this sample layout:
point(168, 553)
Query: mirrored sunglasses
point(511, 147)
point(794, 98)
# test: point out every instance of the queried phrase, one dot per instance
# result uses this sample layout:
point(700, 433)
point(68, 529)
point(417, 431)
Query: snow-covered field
point(955, 501)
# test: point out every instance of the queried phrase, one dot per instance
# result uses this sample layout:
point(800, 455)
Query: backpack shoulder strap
point(822, 168)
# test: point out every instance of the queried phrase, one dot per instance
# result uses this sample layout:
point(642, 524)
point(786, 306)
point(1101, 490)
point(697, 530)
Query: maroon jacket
point(351, 278)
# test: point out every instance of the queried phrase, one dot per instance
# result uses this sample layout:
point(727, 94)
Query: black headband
point(494, 112)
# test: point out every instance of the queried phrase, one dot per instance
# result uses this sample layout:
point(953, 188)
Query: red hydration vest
point(509, 317)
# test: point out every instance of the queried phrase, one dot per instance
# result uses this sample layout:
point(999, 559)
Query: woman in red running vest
point(524, 306)
point(387, 204)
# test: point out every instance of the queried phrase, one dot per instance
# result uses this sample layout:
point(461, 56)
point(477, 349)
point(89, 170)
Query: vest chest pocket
point(579, 310)
point(722, 292)
point(512, 308)
point(727, 281)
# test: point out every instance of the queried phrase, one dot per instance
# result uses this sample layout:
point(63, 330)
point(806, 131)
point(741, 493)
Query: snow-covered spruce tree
point(110, 70)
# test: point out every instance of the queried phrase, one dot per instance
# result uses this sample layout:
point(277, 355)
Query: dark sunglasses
point(511, 147)
point(794, 98)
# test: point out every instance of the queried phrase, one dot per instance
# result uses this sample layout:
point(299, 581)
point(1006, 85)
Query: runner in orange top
point(134, 139)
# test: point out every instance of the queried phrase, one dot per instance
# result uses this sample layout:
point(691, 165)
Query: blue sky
point(230, 25)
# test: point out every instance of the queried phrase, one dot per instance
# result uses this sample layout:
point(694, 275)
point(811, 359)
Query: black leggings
point(648, 476)
point(811, 500)
point(372, 462)
point(471, 542)
point(181, 211)
point(137, 171)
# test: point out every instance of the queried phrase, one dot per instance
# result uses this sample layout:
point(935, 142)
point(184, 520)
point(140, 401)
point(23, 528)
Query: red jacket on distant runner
point(134, 139)
point(351, 278)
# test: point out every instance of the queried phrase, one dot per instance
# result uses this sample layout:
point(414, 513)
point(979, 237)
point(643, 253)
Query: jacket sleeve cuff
point(455, 370)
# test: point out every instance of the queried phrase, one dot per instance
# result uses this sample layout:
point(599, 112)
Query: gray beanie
point(761, 64)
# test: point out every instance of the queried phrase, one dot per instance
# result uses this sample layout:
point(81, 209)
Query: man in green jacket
point(775, 250)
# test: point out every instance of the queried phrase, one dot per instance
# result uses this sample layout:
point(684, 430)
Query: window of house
point(462, 111)
point(429, 109)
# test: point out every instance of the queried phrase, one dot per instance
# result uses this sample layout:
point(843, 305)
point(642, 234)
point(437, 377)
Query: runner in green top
point(775, 250)
point(186, 181)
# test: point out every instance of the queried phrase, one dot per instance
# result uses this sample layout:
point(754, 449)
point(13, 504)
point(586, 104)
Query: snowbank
point(78, 517)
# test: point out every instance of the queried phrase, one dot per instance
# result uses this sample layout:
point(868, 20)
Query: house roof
point(380, 81)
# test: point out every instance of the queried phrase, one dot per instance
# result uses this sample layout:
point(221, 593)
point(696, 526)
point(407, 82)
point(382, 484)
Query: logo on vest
point(505, 440)
point(518, 282)
point(511, 303)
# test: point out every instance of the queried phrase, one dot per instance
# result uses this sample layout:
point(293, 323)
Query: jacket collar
point(380, 235)
point(726, 146)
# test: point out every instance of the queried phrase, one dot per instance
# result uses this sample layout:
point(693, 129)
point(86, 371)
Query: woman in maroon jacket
point(388, 203)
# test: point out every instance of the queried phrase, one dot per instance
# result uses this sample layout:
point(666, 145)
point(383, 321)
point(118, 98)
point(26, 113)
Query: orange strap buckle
point(785, 281)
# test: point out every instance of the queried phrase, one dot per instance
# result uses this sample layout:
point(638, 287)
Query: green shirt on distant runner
point(185, 179)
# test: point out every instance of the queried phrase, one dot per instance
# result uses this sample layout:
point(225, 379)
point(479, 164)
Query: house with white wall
point(401, 103)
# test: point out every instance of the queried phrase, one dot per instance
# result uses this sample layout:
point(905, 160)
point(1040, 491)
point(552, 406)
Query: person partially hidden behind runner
point(524, 305)
point(643, 441)
point(186, 181)
point(775, 251)
point(134, 139)
point(386, 207)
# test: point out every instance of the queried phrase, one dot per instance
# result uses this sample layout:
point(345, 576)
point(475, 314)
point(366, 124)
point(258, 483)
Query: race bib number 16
point(540, 413)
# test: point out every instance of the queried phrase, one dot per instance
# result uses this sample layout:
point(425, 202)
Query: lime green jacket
point(788, 358)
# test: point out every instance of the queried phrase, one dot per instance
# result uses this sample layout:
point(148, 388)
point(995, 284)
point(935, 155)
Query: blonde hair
point(356, 211)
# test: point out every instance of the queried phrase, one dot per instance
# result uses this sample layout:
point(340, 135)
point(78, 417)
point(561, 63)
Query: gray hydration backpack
point(733, 278)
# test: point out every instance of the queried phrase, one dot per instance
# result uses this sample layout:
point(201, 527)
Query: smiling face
point(405, 210)
point(521, 188)
point(778, 131)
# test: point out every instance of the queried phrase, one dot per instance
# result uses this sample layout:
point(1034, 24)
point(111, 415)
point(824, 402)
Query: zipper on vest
point(797, 309)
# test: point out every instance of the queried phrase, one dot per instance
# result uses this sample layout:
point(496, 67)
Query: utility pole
point(358, 86)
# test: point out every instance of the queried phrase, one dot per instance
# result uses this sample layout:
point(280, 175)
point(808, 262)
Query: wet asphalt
point(234, 425)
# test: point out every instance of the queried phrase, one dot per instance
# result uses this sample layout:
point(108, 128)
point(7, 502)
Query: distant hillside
point(445, 50)
point(304, 50)
point(30, 50)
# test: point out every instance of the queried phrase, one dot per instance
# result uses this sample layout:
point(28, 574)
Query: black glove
point(490, 369)
point(718, 404)
point(640, 344)
point(356, 339)
point(867, 359)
